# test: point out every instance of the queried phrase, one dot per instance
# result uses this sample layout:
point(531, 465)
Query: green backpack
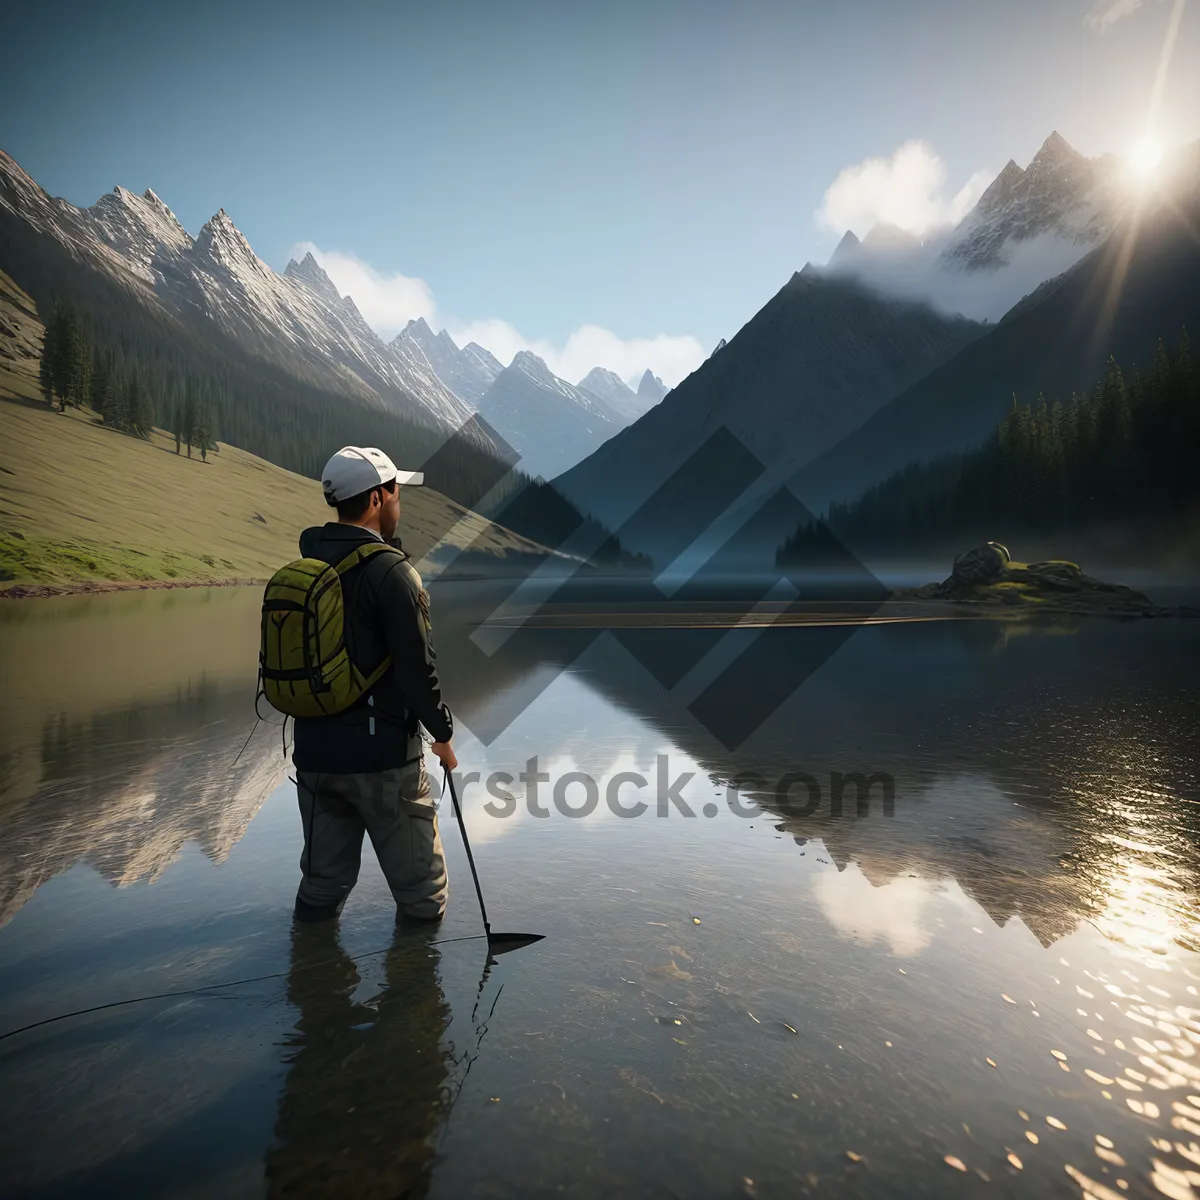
point(304, 668)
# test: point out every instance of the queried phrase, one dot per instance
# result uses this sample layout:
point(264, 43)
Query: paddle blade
point(503, 943)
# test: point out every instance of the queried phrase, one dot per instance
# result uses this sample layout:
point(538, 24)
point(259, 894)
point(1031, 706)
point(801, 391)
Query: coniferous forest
point(136, 381)
point(1125, 451)
point(248, 402)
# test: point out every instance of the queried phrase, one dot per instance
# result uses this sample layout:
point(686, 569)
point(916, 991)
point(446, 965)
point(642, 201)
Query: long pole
point(487, 928)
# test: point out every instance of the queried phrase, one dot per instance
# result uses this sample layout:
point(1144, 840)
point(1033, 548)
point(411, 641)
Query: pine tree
point(49, 355)
point(98, 384)
point(84, 352)
point(139, 420)
point(1183, 357)
point(1123, 451)
point(64, 363)
point(189, 419)
point(202, 431)
point(205, 432)
point(116, 402)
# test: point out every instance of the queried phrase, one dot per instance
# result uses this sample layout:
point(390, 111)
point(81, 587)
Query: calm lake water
point(988, 985)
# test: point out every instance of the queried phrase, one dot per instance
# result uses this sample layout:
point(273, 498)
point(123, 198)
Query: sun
point(1145, 159)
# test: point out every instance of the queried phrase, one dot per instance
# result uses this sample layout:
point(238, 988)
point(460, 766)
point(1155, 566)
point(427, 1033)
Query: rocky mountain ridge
point(296, 321)
point(549, 422)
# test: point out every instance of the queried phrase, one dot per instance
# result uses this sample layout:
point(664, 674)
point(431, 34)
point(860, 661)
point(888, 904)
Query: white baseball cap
point(357, 469)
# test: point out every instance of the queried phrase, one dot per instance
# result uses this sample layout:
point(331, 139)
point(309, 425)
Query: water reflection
point(1019, 769)
point(137, 746)
point(368, 1080)
point(1002, 971)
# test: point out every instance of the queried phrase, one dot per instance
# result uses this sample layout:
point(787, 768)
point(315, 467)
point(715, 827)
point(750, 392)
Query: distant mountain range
point(839, 381)
point(620, 397)
point(1030, 224)
point(216, 284)
point(468, 372)
point(810, 367)
point(1141, 283)
point(851, 371)
point(550, 423)
point(130, 255)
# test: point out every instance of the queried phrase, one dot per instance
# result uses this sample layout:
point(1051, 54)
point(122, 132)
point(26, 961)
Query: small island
point(989, 577)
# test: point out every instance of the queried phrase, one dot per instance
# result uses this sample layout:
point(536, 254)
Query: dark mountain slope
point(1141, 284)
point(815, 362)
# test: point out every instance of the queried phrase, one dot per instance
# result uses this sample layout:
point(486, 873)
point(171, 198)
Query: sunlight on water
point(989, 972)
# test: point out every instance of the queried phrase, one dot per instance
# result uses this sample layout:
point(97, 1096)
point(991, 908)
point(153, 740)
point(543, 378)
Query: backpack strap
point(362, 553)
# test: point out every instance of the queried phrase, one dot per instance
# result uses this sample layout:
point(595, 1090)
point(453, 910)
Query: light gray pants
point(395, 809)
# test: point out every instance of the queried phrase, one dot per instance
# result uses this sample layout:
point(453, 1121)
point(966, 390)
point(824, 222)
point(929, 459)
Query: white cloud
point(866, 914)
point(983, 295)
point(389, 302)
point(670, 358)
point(906, 190)
point(1107, 12)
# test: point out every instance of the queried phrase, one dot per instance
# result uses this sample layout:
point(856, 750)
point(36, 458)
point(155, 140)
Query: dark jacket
point(387, 612)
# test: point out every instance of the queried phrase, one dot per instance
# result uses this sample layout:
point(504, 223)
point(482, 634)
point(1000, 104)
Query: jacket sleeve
point(410, 643)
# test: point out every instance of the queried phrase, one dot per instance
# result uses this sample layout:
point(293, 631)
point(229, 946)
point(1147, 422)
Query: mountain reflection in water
point(120, 740)
point(1006, 949)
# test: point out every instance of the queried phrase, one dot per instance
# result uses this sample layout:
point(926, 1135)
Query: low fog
point(917, 271)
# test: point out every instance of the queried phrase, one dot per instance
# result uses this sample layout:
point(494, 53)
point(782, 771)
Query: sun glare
point(1144, 161)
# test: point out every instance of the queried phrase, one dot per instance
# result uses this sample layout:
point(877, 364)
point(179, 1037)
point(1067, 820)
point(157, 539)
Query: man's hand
point(446, 755)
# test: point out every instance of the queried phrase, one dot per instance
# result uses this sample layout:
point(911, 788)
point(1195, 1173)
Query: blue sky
point(632, 169)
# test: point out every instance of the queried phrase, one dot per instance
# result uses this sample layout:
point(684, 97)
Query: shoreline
point(941, 608)
point(88, 587)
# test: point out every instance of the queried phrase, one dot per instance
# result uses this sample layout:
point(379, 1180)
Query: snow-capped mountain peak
point(1061, 194)
point(534, 367)
point(1054, 151)
point(551, 423)
point(600, 380)
point(483, 359)
point(468, 373)
point(617, 394)
point(1030, 224)
point(310, 273)
point(223, 243)
point(1000, 190)
point(296, 321)
point(164, 213)
point(419, 328)
point(136, 227)
point(439, 348)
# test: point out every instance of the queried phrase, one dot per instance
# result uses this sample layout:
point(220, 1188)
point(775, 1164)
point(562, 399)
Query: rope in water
point(212, 987)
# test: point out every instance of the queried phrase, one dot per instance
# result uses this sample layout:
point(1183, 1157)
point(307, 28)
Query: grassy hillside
point(80, 501)
point(20, 339)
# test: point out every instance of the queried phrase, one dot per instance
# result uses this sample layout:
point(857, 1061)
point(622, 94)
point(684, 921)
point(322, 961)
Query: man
point(362, 771)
